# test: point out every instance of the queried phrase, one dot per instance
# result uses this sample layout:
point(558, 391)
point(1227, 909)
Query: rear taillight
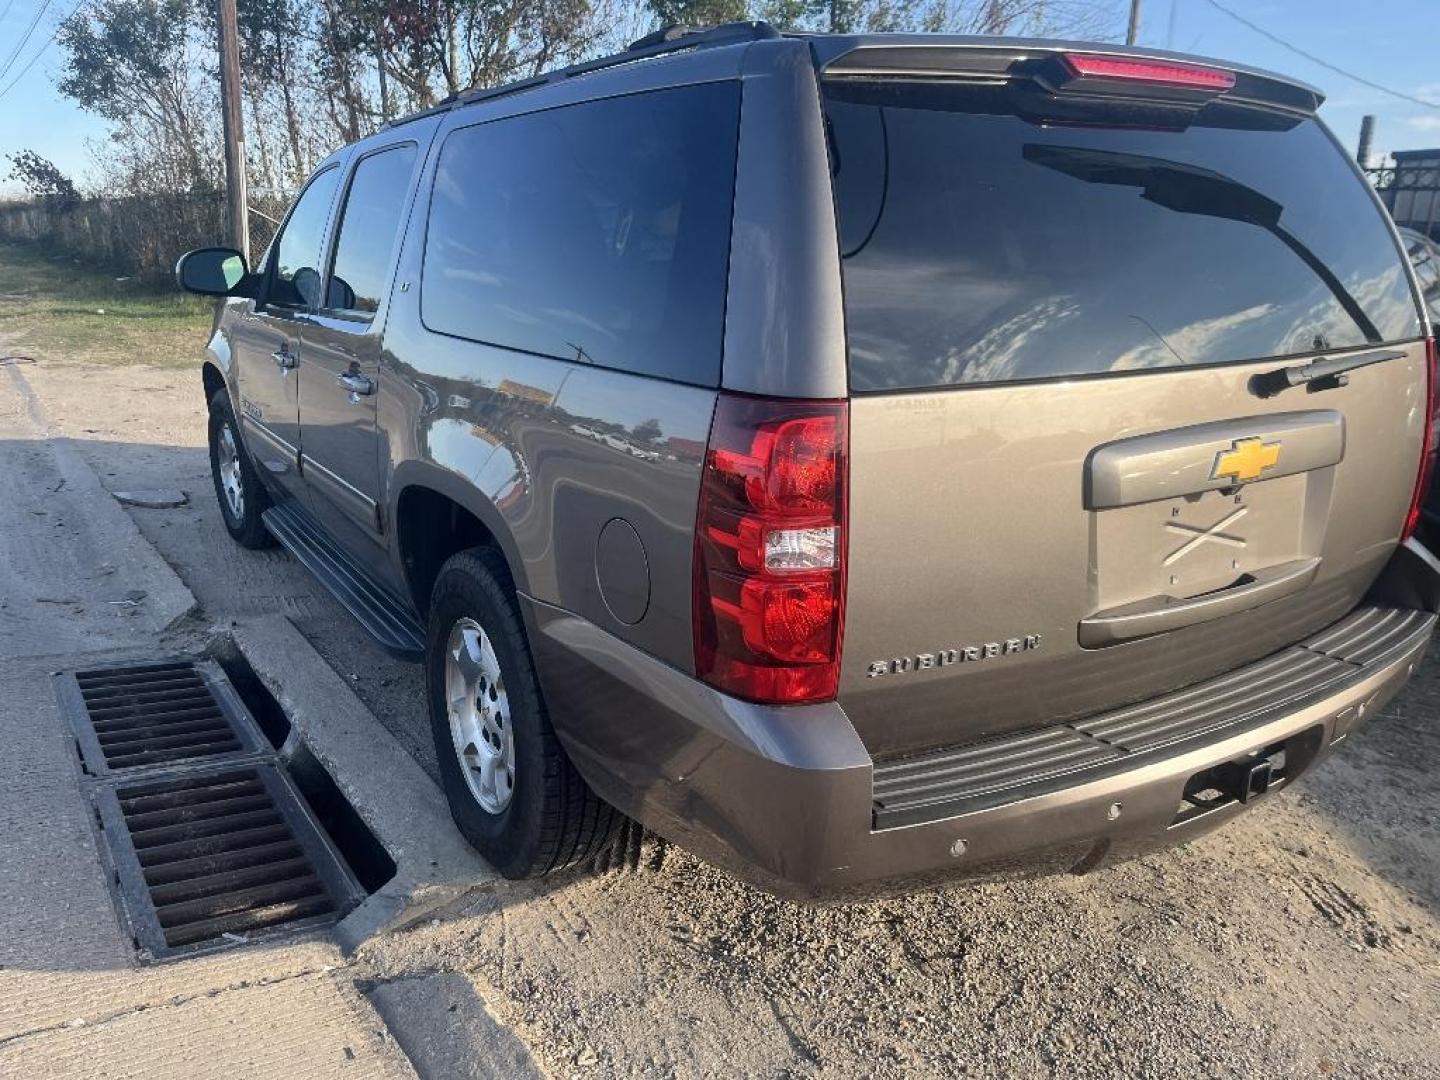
point(769, 605)
point(1427, 445)
point(1153, 72)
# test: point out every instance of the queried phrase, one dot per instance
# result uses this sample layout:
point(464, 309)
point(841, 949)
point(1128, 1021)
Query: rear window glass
point(598, 233)
point(980, 247)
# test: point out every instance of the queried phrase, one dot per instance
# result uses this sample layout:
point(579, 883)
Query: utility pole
point(1367, 136)
point(238, 218)
point(1133, 31)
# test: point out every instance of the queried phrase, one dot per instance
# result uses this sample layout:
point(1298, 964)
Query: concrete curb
point(103, 531)
point(393, 795)
point(447, 1030)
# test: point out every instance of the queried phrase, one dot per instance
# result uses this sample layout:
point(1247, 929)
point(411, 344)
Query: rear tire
point(242, 497)
point(513, 793)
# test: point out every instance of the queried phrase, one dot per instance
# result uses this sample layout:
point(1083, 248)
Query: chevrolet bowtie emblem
point(1245, 460)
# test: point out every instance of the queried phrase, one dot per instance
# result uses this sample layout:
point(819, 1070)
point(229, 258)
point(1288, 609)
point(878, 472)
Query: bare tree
point(317, 75)
point(1039, 18)
point(137, 63)
point(271, 42)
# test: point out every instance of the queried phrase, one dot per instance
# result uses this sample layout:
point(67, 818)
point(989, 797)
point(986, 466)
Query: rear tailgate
point(1067, 491)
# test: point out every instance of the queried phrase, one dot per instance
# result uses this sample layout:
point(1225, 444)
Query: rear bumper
point(789, 799)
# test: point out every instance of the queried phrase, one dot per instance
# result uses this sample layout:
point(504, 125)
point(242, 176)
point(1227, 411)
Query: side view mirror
point(341, 296)
point(215, 271)
point(307, 284)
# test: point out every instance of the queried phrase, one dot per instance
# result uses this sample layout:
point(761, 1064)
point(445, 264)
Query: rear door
point(1072, 485)
point(340, 367)
point(267, 340)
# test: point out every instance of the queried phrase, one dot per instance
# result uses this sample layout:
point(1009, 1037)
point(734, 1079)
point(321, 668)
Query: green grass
point(59, 310)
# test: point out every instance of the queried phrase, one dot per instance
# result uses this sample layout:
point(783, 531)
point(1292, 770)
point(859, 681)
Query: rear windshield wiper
point(1189, 189)
point(1319, 374)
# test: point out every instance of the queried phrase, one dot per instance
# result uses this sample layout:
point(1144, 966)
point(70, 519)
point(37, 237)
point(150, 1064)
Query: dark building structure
point(1410, 189)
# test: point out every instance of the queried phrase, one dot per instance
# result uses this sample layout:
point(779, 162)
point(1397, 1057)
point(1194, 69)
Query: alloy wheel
point(479, 714)
point(227, 456)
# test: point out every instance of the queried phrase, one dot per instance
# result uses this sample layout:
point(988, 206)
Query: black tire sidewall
point(510, 840)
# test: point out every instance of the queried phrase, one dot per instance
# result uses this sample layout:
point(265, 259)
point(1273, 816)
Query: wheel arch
point(436, 513)
point(219, 364)
point(212, 379)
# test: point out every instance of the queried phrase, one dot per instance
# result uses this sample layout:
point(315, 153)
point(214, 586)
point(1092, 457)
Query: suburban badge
point(903, 665)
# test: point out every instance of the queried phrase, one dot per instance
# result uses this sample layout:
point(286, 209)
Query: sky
point(1395, 43)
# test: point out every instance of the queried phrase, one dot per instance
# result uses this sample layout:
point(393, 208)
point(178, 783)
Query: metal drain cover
point(129, 718)
point(208, 843)
point(217, 856)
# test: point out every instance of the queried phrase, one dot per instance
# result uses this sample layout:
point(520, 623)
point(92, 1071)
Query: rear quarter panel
point(504, 425)
point(521, 438)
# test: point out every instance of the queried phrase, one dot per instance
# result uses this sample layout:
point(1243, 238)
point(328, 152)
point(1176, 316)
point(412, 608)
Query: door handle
point(284, 358)
point(355, 384)
point(1159, 614)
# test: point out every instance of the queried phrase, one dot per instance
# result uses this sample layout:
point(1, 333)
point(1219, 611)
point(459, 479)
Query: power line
point(24, 38)
point(1323, 63)
point(29, 64)
point(43, 50)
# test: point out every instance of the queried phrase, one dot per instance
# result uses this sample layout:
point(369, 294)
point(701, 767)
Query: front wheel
point(512, 791)
point(241, 495)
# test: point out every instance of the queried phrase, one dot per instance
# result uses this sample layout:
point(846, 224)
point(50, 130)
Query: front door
point(340, 367)
point(265, 348)
point(266, 342)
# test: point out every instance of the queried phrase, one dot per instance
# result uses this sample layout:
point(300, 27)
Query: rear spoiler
point(1011, 60)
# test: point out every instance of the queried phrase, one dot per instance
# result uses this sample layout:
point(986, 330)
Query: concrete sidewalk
point(81, 586)
point(76, 573)
point(73, 1001)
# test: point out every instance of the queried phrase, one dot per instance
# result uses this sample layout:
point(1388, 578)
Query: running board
point(388, 620)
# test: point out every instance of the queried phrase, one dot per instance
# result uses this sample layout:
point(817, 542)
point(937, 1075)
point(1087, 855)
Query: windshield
point(981, 247)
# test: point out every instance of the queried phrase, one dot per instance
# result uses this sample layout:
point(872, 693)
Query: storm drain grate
point(128, 718)
point(207, 841)
point(219, 856)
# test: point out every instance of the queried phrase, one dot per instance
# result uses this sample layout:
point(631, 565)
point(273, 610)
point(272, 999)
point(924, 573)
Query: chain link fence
point(135, 235)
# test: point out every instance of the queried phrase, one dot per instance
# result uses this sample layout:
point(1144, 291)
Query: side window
point(368, 227)
point(597, 232)
point(295, 280)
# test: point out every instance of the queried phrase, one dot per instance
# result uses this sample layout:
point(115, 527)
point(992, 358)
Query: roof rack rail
point(667, 39)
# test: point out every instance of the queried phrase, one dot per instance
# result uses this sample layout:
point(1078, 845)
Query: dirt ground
point(1303, 940)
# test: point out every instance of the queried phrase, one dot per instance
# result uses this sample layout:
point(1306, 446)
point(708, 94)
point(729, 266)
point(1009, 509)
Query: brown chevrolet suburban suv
point(863, 460)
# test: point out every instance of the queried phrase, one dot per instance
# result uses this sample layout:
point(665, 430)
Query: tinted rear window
point(596, 232)
point(980, 247)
